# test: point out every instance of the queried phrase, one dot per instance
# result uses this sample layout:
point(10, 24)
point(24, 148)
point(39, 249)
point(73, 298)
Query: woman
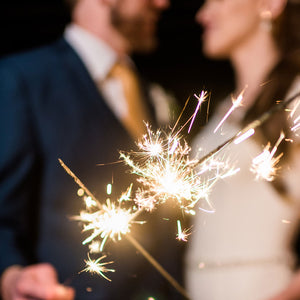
point(244, 249)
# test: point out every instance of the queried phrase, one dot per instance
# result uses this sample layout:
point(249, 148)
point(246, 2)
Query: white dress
point(242, 251)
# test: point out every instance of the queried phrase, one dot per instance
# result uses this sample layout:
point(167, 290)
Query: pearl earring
point(266, 20)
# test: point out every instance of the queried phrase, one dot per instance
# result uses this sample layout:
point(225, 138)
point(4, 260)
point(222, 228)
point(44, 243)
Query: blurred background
point(177, 64)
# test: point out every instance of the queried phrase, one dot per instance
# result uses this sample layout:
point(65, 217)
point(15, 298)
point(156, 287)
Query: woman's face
point(227, 24)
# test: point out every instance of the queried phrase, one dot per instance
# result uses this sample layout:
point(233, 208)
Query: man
point(63, 101)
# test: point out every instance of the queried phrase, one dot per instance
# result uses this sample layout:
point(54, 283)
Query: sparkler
point(95, 266)
point(201, 99)
point(166, 172)
point(182, 234)
point(235, 103)
point(105, 220)
point(110, 221)
point(264, 165)
point(296, 120)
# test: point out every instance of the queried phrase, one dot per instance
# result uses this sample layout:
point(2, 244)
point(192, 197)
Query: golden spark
point(97, 267)
point(124, 217)
point(294, 114)
point(201, 98)
point(168, 173)
point(182, 234)
point(243, 136)
point(111, 221)
point(235, 103)
point(264, 165)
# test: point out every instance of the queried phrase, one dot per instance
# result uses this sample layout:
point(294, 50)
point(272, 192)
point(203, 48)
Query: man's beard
point(133, 30)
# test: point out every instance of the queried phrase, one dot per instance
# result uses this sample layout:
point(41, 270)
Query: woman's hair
point(286, 28)
point(287, 35)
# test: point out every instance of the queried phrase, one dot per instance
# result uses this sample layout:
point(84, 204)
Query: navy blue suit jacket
point(50, 108)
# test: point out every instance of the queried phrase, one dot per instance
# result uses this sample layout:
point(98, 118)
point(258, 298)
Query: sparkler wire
point(252, 125)
point(158, 267)
point(76, 179)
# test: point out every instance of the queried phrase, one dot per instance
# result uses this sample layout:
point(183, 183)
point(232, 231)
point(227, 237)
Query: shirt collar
point(97, 56)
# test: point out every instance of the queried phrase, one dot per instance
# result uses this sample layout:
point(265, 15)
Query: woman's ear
point(273, 7)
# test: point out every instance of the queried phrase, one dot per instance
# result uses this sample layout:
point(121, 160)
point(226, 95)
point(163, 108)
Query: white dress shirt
point(98, 58)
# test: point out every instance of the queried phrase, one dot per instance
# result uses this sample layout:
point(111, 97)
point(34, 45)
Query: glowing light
point(105, 221)
point(244, 136)
point(109, 189)
point(182, 234)
point(235, 103)
point(110, 221)
point(296, 119)
point(94, 247)
point(97, 267)
point(169, 174)
point(166, 172)
point(80, 192)
point(200, 99)
point(264, 165)
point(201, 265)
point(89, 202)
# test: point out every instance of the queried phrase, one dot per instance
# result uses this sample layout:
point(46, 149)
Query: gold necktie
point(137, 111)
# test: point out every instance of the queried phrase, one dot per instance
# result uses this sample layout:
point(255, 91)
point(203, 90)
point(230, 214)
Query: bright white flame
point(235, 103)
point(169, 174)
point(182, 234)
point(95, 266)
point(264, 165)
point(244, 136)
point(110, 222)
point(200, 99)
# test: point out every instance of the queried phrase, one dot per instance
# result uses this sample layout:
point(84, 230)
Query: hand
point(35, 282)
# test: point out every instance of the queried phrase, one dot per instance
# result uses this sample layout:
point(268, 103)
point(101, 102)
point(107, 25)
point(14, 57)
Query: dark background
point(177, 64)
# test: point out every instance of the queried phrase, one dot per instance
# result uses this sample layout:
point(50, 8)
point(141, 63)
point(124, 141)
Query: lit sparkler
point(166, 172)
point(264, 165)
point(235, 103)
point(110, 220)
point(200, 99)
point(182, 234)
point(296, 119)
point(97, 267)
